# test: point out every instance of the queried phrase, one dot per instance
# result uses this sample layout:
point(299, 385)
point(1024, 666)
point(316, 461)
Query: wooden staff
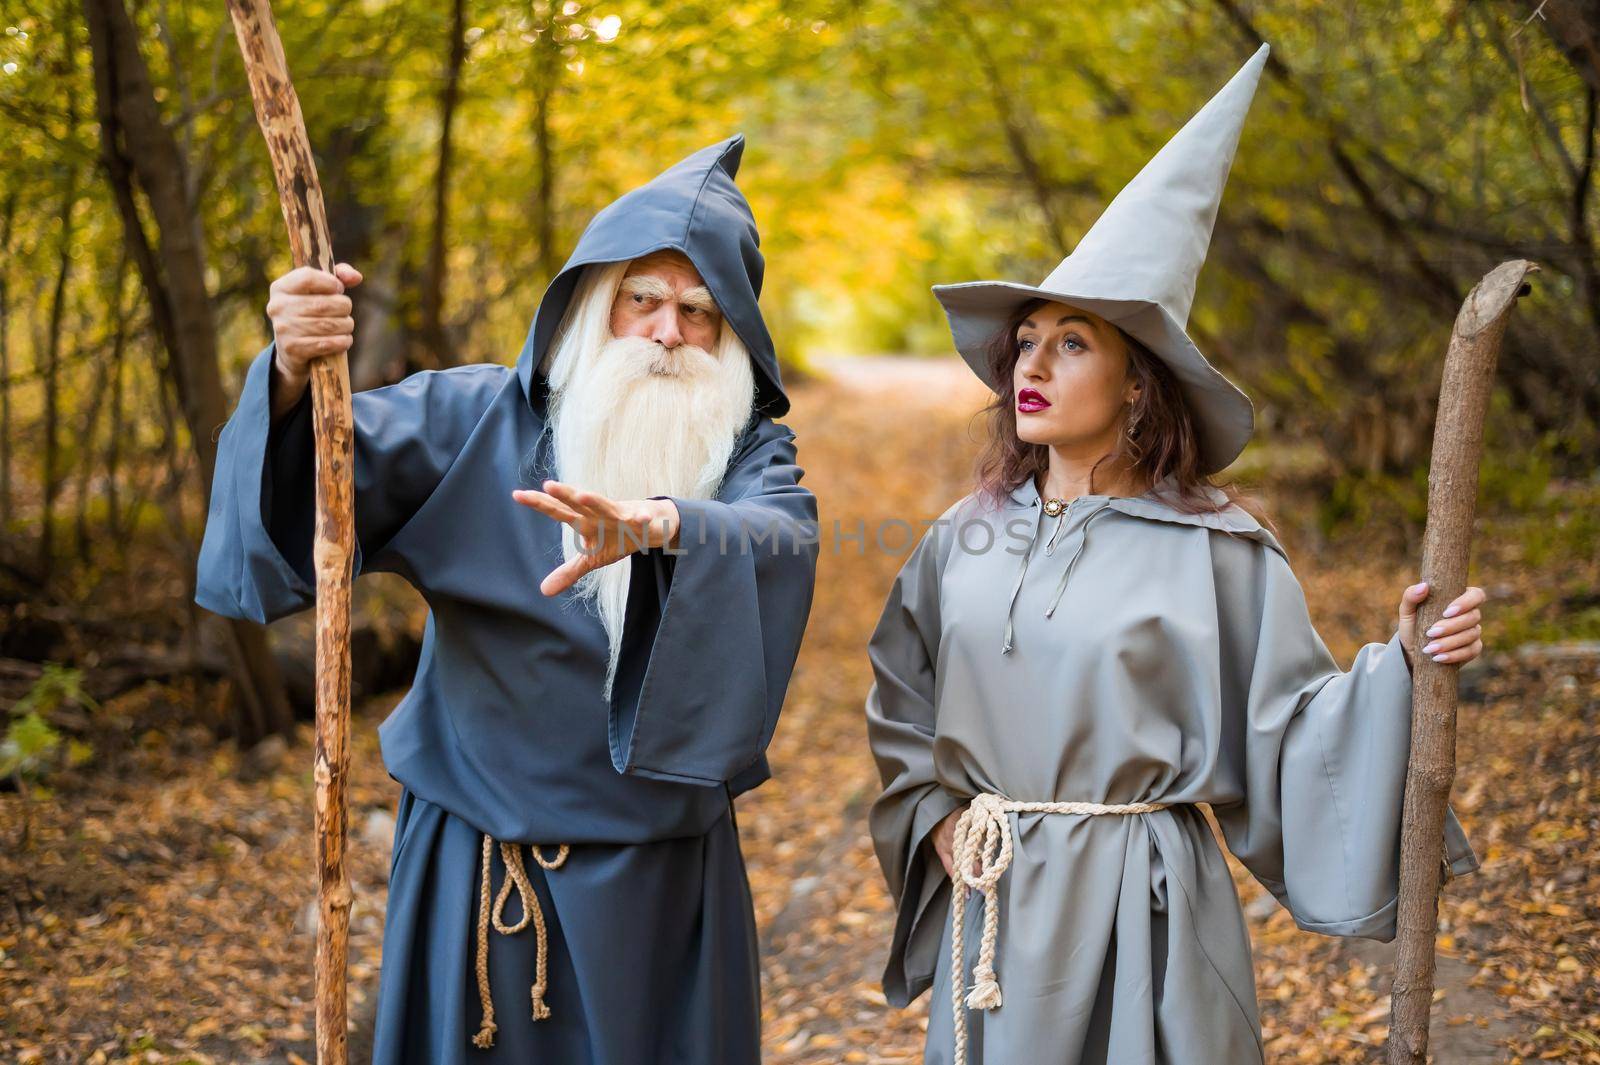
point(1452, 499)
point(278, 111)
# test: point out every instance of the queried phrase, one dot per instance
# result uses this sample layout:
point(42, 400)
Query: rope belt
point(983, 837)
point(516, 876)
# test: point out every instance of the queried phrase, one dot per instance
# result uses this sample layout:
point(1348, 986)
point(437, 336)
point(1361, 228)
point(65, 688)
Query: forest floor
point(157, 902)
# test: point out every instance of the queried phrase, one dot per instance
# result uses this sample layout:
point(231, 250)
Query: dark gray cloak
point(505, 731)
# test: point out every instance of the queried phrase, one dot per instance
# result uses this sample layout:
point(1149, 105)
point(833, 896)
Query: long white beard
point(638, 420)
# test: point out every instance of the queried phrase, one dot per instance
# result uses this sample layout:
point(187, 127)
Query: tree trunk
point(1575, 27)
point(97, 398)
point(354, 225)
point(1014, 127)
point(440, 351)
point(138, 150)
point(5, 363)
point(52, 384)
point(547, 72)
point(114, 522)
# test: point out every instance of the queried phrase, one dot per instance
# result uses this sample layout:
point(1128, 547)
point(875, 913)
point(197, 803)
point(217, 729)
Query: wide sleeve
point(256, 558)
point(713, 625)
point(1323, 761)
point(903, 651)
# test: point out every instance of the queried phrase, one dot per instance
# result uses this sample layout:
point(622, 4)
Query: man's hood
point(693, 207)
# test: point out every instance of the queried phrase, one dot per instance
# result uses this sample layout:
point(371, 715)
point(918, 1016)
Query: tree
point(140, 155)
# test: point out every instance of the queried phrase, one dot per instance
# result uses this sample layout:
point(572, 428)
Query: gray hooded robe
point(505, 732)
point(1178, 664)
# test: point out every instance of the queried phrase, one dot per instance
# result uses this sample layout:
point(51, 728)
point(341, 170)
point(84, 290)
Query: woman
point(1097, 640)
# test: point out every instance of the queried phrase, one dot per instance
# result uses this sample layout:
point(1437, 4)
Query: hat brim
point(1224, 416)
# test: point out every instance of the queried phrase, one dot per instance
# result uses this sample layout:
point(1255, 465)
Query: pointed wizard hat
point(1136, 268)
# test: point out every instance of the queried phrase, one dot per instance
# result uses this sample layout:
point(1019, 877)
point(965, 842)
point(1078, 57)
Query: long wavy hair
point(1158, 437)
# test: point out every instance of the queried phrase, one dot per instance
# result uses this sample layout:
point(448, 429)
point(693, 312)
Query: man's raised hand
point(608, 530)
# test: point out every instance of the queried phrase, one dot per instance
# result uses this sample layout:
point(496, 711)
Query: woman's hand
point(944, 842)
point(607, 530)
point(1456, 638)
point(310, 320)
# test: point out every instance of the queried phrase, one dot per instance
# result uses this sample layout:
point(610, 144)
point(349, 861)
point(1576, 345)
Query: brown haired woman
point(1097, 640)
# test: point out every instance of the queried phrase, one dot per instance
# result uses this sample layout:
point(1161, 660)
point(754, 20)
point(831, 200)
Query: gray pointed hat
point(1136, 268)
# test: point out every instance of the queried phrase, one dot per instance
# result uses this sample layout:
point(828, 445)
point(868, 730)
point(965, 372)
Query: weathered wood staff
point(1452, 499)
point(278, 111)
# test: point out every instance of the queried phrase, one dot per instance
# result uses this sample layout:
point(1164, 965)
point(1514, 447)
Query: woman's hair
point(1162, 442)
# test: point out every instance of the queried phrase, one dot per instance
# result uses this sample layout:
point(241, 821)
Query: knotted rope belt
point(516, 876)
point(983, 837)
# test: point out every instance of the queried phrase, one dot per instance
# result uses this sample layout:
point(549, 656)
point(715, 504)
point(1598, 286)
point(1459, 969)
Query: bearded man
point(618, 562)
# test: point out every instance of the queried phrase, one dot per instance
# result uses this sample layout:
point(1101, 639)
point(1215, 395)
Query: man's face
point(663, 299)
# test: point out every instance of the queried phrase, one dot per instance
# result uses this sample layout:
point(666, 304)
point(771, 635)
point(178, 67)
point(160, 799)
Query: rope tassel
point(980, 854)
point(516, 877)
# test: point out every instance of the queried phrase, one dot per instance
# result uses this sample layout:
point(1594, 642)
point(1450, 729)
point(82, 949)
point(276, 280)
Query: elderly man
point(618, 561)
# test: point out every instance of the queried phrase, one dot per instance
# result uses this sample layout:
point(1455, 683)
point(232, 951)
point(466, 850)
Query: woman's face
point(1071, 381)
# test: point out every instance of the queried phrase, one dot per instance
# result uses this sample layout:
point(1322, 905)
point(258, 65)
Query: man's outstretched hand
point(608, 530)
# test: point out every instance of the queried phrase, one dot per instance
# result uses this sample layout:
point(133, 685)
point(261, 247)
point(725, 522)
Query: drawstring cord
point(1066, 574)
point(516, 877)
point(1049, 548)
point(1061, 521)
point(1016, 588)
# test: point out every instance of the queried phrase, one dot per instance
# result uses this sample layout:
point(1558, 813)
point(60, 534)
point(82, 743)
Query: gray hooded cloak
point(1154, 656)
point(505, 733)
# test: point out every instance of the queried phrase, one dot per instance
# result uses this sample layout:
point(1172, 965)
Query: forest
point(154, 808)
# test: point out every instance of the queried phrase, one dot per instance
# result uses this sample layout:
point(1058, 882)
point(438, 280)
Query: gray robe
point(1179, 666)
point(506, 731)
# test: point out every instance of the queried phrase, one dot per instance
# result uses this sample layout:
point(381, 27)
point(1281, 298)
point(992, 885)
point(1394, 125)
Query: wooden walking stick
point(1452, 499)
point(278, 111)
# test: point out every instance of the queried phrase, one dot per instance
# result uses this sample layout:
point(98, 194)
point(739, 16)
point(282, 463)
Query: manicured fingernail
point(1450, 611)
point(1440, 658)
point(1436, 631)
point(1428, 650)
point(1420, 585)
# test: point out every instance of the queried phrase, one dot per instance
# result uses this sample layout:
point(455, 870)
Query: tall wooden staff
point(278, 111)
point(1452, 498)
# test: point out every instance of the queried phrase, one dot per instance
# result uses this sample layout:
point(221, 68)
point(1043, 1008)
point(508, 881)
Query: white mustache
point(643, 355)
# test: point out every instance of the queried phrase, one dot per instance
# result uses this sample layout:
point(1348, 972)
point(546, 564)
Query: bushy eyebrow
point(646, 285)
point(656, 288)
point(700, 298)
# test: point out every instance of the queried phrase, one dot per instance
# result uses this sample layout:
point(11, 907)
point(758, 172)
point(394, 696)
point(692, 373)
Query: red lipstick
point(1029, 401)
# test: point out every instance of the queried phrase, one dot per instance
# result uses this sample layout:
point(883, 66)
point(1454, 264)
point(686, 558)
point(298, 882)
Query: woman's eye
point(1024, 345)
point(1072, 344)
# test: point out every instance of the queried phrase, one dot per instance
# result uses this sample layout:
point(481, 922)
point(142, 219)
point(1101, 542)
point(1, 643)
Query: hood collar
point(1154, 505)
point(1151, 505)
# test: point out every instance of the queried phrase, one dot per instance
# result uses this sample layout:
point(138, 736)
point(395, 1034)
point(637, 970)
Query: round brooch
point(1054, 507)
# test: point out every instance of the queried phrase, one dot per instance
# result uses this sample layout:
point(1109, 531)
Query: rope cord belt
point(983, 838)
point(517, 877)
